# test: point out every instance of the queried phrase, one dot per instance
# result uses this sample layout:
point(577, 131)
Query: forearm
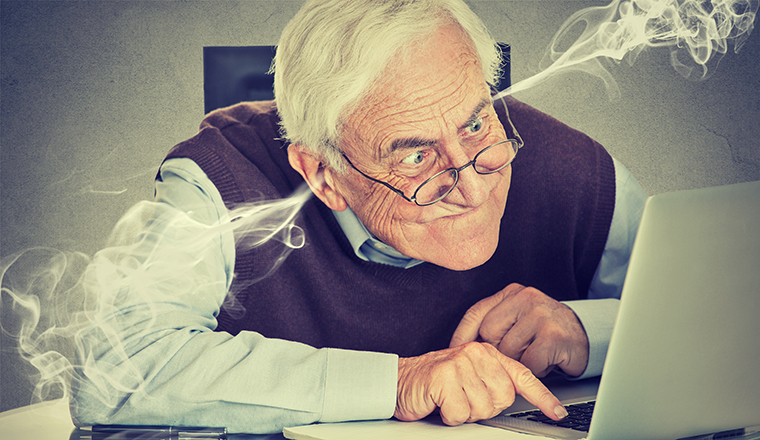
point(245, 383)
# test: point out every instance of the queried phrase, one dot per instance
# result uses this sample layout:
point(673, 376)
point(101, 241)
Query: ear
point(317, 175)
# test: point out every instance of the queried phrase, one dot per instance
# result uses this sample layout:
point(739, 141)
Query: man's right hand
point(469, 382)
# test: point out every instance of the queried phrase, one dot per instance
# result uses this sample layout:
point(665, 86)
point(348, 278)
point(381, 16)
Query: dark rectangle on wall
point(233, 74)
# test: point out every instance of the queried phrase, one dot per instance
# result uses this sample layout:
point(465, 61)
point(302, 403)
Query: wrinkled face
point(430, 112)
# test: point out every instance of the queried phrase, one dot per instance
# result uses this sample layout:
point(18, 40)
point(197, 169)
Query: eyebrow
point(410, 144)
point(416, 142)
point(475, 113)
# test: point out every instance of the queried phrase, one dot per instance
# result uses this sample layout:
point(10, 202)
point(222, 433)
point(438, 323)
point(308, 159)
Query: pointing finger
point(533, 390)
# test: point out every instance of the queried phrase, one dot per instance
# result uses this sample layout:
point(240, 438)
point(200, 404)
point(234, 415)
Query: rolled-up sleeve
point(150, 355)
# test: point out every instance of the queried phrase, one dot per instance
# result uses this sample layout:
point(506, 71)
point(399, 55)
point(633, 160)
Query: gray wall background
point(94, 93)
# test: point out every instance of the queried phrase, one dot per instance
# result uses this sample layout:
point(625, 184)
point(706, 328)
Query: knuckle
point(508, 401)
point(551, 333)
point(537, 365)
point(513, 288)
point(544, 312)
point(481, 308)
point(473, 348)
point(472, 316)
point(512, 350)
point(480, 413)
point(454, 416)
point(533, 295)
point(545, 397)
point(527, 291)
point(459, 360)
point(523, 377)
point(490, 335)
point(448, 373)
point(504, 396)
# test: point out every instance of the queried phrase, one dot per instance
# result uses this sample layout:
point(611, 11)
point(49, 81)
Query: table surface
point(41, 421)
point(52, 421)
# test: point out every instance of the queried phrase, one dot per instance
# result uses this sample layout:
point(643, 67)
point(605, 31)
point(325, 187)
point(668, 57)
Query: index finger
point(533, 390)
point(469, 327)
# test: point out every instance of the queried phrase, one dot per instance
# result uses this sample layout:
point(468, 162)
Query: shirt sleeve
point(598, 313)
point(150, 355)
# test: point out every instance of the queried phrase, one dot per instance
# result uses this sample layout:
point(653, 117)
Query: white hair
point(332, 52)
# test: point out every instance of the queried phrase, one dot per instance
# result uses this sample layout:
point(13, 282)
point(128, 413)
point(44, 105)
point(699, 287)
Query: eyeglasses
point(489, 160)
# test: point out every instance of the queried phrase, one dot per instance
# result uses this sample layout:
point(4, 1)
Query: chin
point(464, 254)
point(466, 241)
point(475, 245)
point(462, 258)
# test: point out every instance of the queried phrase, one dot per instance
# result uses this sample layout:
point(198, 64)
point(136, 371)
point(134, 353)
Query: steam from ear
point(698, 33)
point(69, 309)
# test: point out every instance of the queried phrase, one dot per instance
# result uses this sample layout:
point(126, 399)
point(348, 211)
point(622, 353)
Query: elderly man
point(445, 230)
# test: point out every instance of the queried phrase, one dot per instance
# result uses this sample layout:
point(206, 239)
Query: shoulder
point(556, 157)
point(242, 126)
point(258, 114)
point(239, 148)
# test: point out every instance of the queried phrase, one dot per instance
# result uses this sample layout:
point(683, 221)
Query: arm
point(598, 313)
point(527, 325)
point(150, 355)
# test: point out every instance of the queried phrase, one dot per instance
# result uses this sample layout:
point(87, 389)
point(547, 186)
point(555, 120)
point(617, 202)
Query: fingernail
point(560, 411)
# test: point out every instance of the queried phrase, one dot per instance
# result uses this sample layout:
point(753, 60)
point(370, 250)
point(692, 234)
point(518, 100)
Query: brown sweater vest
point(553, 234)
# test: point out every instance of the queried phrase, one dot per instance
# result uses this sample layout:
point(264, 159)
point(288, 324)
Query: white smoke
point(697, 32)
point(42, 285)
point(68, 303)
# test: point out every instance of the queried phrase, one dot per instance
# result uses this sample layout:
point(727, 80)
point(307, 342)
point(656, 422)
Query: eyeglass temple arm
point(387, 185)
point(518, 138)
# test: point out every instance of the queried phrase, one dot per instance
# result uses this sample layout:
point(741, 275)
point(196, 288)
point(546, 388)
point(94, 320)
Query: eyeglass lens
point(490, 160)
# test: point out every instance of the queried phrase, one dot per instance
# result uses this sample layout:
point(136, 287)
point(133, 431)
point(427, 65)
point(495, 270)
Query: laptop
point(684, 358)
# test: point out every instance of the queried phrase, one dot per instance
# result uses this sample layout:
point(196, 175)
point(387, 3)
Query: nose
point(472, 189)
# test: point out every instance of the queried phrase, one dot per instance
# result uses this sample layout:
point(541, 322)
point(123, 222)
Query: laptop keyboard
point(578, 416)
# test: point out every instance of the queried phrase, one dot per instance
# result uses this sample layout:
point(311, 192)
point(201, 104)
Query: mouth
point(465, 215)
point(462, 215)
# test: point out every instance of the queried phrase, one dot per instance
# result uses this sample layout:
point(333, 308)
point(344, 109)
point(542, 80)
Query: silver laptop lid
point(684, 358)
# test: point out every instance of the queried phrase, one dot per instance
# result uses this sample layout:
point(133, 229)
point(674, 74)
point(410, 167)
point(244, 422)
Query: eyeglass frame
point(518, 141)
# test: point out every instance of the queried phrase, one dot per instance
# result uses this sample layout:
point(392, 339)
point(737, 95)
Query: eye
point(475, 126)
point(415, 158)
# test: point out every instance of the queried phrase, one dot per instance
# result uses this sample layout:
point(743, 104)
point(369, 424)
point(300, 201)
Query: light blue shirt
point(248, 383)
point(598, 313)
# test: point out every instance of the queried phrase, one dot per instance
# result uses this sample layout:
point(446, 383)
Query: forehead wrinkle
point(441, 91)
point(394, 108)
point(398, 94)
point(422, 115)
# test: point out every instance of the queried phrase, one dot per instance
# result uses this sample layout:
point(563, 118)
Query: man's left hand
point(528, 326)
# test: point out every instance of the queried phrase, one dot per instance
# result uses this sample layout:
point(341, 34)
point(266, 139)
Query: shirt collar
point(368, 247)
